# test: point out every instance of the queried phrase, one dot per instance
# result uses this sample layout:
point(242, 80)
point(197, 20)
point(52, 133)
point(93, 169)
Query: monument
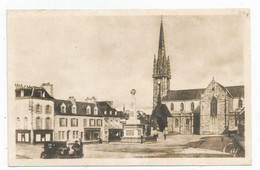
point(133, 129)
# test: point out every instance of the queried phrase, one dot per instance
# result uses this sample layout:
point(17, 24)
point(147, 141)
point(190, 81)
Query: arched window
point(213, 107)
point(182, 107)
point(38, 108)
point(48, 123)
point(187, 122)
point(176, 122)
point(38, 123)
point(63, 108)
point(48, 109)
point(172, 106)
point(240, 103)
point(88, 110)
point(192, 106)
point(74, 109)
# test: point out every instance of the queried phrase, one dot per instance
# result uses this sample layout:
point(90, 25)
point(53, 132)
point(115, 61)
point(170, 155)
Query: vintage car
point(58, 149)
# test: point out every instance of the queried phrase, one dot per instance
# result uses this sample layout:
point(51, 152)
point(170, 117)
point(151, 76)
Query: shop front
point(114, 135)
point(23, 136)
point(41, 136)
point(91, 134)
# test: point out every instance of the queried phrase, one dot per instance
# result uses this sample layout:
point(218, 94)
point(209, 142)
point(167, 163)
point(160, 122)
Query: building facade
point(35, 114)
point(76, 120)
point(210, 110)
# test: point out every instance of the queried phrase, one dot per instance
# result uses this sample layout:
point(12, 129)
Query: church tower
point(161, 70)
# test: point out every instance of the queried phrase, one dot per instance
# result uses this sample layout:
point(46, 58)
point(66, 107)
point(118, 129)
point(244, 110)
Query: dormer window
point(115, 112)
point(74, 109)
point(110, 112)
point(88, 110)
point(105, 112)
point(240, 103)
point(95, 111)
point(63, 108)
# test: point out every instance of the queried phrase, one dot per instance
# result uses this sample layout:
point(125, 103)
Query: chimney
point(72, 99)
point(48, 87)
point(91, 100)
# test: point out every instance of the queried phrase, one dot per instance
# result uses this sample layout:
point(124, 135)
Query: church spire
point(161, 49)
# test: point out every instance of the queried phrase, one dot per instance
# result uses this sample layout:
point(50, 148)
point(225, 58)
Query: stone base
point(131, 140)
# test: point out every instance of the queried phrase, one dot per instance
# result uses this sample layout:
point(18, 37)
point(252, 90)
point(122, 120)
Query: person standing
point(81, 147)
point(164, 134)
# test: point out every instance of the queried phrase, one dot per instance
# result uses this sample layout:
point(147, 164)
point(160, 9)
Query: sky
point(107, 56)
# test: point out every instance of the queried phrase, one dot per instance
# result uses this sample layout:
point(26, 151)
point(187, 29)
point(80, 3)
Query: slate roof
point(104, 106)
point(81, 108)
point(191, 94)
point(34, 92)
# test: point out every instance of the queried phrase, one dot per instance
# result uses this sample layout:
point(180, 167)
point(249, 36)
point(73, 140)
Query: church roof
point(191, 94)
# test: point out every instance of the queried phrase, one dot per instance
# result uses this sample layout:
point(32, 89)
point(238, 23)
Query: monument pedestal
point(133, 133)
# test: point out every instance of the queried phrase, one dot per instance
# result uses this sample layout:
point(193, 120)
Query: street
point(174, 146)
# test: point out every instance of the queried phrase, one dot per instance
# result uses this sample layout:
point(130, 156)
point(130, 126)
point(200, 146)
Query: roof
point(81, 108)
point(191, 94)
point(183, 94)
point(34, 92)
point(104, 106)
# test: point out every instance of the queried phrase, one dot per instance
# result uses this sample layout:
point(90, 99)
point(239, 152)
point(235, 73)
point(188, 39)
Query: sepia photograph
point(129, 87)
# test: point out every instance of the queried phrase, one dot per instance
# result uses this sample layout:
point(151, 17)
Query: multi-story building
point(78, 120)
point(112, 125)
point(34, 114)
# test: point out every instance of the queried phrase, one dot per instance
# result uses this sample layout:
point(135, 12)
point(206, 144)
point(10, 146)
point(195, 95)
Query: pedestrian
point(76, 148)
point(81, 147)
point(164, 134)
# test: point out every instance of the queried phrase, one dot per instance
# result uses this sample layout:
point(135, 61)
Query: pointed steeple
point(161, 49)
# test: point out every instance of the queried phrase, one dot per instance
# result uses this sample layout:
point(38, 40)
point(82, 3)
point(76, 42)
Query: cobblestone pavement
point(173, 146)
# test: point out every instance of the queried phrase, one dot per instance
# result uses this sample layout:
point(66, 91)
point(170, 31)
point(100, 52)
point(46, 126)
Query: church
point(209, 110)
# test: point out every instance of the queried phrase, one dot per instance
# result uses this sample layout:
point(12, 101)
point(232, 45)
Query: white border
point(135, 4)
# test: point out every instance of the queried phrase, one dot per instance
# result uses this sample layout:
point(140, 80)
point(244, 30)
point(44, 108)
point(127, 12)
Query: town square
point(148, 86)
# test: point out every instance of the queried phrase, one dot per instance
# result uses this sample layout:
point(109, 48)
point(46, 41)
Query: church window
point(182, 107)
point(213, 107)
point(192, 106)
point(240, 103)
point(176, 122)
point(172, 106)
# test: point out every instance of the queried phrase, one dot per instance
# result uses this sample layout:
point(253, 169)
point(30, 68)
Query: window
point(213, 107)
point(38, 123)
point(176, 122)
point(63, 122)
point(38, 108)
point(95, 111)
point(110, 112)
point(192, 106)
point(187, 122)
point(85, 122)
point(74, 109)
point(25, 123)
point(48, 123)
point(105, 112)
point(115, 112)
point(99, 122)
point(74, 122)
point(88, 110)
point(182, 107)
point(91, 122)
point(75, 134)
point(61, 135)
point(172, 106)
point(240, 103)
point(48, 109)
point(63, 108)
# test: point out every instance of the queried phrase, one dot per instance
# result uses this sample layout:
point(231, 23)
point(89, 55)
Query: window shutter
point(66, 122)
